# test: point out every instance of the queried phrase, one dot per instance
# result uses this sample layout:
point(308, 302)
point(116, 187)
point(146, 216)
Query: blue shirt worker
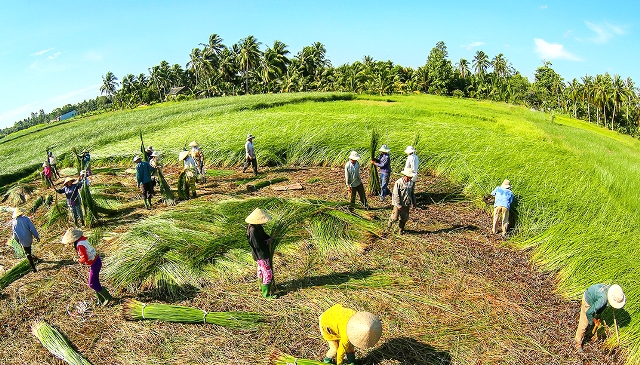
point(24, 232)
point(594, 301)
point(71, 191)
point(143, 177)
point(384, 163)
point(501, 206)
point(353, 180)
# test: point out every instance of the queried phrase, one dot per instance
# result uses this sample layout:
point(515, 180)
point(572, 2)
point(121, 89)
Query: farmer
point(52, 164)
point(345, 328)
point(402, 199)
point(48, 174)
point(88, 256)
point(412, 161)
point(148, 152)
point(24, 232)
point(594, 301)
point(71, 190)
point(189, 170)
point(352, 179)
point(250, 155)
point(143, 177)
point(504, 198)
point(260, 243)
point(198, 157)
point(384, 163)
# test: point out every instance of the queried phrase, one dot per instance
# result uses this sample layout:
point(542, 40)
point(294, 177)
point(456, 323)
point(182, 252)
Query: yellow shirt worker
point(344, 328)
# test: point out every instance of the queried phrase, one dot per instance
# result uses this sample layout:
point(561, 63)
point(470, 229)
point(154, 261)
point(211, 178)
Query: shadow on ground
point(407, 351)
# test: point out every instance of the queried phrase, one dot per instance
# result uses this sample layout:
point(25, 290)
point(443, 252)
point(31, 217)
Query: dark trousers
point(254, 164)
point(360, 190)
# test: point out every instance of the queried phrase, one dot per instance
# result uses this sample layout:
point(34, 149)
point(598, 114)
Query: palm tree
point(617, 95)
point(588, 92)
point(195, 63)
point(275, 63)
point(463, 67)
point(249, 57)
point(481, 63)
point(109, 84)
point(500, 65)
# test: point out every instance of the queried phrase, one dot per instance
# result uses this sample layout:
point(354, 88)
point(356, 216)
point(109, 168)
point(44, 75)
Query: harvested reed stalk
point(78, 159)
point(89, 205)
point(57, 215)
point(17, 249)
point(37, 204)
point(57, 344)
point(143, 151)
point(285, 359)
point(135, 310)
point(165, 189)
point(183, 188)
point(373, 186)
point(262, 184)
point(18, 271)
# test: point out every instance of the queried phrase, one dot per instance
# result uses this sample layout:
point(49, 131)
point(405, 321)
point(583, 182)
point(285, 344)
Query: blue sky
point(55, 52)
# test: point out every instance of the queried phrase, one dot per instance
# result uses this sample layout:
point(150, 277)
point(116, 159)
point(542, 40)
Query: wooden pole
point(615, 323)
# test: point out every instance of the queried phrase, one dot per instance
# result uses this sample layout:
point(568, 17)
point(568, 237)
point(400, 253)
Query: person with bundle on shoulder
point(344, 328)
point(71, 190)
point(143, 177)
point(24, 232)
point(87, 255)
point(189, 169)
point(594, 301)
point(260, 243)
point(198, 158)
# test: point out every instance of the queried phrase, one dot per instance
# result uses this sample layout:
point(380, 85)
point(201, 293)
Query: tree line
point(247, 67)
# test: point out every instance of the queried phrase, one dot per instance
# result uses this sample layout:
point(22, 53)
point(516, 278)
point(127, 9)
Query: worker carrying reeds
point(86, 161)
point(71, 190)
point(250, 155)
point(143, 176)
point(353, 180)
point(344, 328)
point(501, 206)
point(188, 174)
point(87, 255)
point(24, 232)
point(384, 163)
point(403, 199)
point(198, 158)
point(412, 161)
point(594, 301)
point(260, 243)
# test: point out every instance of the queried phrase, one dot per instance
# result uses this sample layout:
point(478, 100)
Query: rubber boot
point(32, 263)
point(351, 358)
point(265, 290)
point(100, 297)
point(106, 296)
point(328, 360)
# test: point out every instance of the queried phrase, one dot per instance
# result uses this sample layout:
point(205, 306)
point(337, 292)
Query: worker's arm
point(346, 176)
point(82, 252)
point(591, 312)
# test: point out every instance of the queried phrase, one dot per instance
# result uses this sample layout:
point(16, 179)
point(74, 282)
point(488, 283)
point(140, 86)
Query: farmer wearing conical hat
point(250, 155)
point(88, 256)
point(594, 301)
point(198, 158)
point(412, 161)
point(71, 190)
point(384, 163)
point(352, 179)
point(24, 232)
point(148, 151)
point(260, 243)
point(189, 169)
point(143, 177)
point(502, 204)
point(345, 328)
point(402, 199)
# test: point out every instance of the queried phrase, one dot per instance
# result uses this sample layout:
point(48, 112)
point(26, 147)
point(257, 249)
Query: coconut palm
point(109, 84)
point(249, 57)
point(481, 63)
point(463, 67)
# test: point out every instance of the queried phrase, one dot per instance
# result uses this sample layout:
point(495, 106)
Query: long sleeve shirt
point(333, 327)
point(504, 197)
point(412, 163)
point(24, 231)
point(352, 174)
point(71, 192)
point(384, 163)
point(596, 297)
point(249, 150)
point(403, 194)
point(143, 172)
point(189, 163)
point(258, 241)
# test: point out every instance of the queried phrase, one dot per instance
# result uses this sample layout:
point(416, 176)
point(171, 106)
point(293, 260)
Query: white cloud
point(11, 116)
point(553, 51)
point(40, 53)
point(75, 96)
point(473, 45)
point(543, 7)
point(604, 32)
point(567, 33)
point(53, 56)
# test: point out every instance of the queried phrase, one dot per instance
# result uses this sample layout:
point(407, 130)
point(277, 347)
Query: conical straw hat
point(364, 330)
point(18, 212)
point(71, 235)
point(384, 149)
point(409, 150)
point(183, 155)
point(193, 144)
point(354, 156)
point(616, 296)
point(258, 216)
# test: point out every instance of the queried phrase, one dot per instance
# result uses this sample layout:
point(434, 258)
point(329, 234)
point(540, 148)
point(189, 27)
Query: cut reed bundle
point(373, 187)
point(18, 271)
point(37, 204)
point(165, 189)
point(134, 310)
point(262, 184)
point(57, 214)
point(280, 358)
point(57, 344)
point(89, 206)
point(18, 194)
point(17, 249)
point(78, 159)
point(183, 187)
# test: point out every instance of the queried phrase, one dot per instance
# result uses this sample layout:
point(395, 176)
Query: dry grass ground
point(447, 292)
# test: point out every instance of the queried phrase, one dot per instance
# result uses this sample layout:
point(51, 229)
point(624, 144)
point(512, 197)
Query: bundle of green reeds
point(78, 159)
point(18, 194)
point(135, 310)
point(143, 152)
point(89, 206)
point(165, 189)
point(262, 184)
point(18, 271)
point(183, 187)
point(57, 344)
point(17, 249)
point(57, 214)
point(373, 188)
point(280, 358)
point(37, 203)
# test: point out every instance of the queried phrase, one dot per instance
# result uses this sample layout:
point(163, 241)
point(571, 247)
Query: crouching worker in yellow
point(345, 328)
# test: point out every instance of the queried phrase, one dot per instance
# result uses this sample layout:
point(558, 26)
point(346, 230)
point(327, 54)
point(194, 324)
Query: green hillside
point(576, 185)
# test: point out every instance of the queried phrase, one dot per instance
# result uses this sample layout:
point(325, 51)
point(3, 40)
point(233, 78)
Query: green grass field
point(576, 184)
